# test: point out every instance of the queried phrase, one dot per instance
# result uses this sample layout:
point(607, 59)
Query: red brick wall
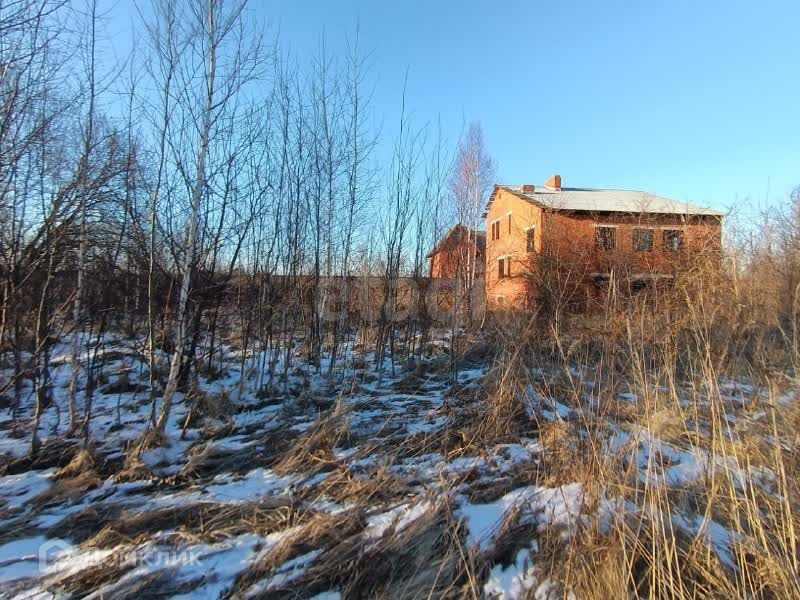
point(564, 233)
point(571, 236)
point(511, 246)
point(452, 256)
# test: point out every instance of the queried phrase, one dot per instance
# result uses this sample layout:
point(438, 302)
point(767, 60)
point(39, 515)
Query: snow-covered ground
point(328, 487)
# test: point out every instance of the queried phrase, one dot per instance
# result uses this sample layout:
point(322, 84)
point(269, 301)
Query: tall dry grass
point(682, 427)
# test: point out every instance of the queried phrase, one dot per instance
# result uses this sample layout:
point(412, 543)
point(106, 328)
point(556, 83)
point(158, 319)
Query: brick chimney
point(528, 188)
point(553, 183)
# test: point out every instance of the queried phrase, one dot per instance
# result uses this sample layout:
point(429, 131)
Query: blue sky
point(699, 101)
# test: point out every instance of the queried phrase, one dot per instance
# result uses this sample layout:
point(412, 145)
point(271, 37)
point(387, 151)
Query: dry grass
point(424, 559)
point(320, 530)
point(639, 533)
point(207, 459)
point(112, 572)
point(84, 461)
point(68, 489)
point(201, 521)
point(678, 428)
point(85, 523)
point(730, 529)
point(313, 451)
point(208, 407)
point(343, 486)
point(427, 559)
point(94, 577)
point(54, 452)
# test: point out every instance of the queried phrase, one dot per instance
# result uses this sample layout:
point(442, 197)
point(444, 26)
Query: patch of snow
point(255, 484)
point(425, 427)
point(400, 517)
point(218, 564)
point(20, 559)
point(329, 595)
point(514, 581)
point(21, 569)
point(286, 573)
point(559, 506)
point(483, 520)
point(716, 535)
point(16, 447)
point(16, 490)
point(551, 590)
point(229, 487)
point(165, 459)
point(547, 507)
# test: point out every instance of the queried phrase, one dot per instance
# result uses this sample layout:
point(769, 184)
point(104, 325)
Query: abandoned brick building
point(455, 252)
point(592, 233)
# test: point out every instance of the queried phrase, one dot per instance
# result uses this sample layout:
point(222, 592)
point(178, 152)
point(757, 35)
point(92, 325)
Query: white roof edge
point(611, 200)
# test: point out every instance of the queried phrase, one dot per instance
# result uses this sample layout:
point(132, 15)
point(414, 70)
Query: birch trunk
point(194, 218)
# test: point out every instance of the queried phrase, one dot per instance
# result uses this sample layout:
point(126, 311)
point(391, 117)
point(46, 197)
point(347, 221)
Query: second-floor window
point(509, 223)
point(642, 240)
point(496, 230)
point(673, 240)
point(530, 239)
point(605, 238)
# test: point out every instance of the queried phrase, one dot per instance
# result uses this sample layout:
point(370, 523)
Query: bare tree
point(219, 34)
point(471, 180)
point(359, 144)
point(166, 48)
point(402, 194)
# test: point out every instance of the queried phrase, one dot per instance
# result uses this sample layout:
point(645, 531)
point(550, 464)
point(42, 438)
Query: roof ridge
point(610, 200)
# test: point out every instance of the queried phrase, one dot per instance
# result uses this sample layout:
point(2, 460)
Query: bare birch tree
point(471, 181)
point(229, 60)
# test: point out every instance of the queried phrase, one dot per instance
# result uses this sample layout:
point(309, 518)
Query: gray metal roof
point(601, 200)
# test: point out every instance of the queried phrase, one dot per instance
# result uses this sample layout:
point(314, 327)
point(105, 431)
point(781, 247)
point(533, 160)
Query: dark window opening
point(673, 240)
point(504, 267)
point(530, 238)
point(642, 240)
point(606, 238)
point(509, 223)
point(496, 230)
